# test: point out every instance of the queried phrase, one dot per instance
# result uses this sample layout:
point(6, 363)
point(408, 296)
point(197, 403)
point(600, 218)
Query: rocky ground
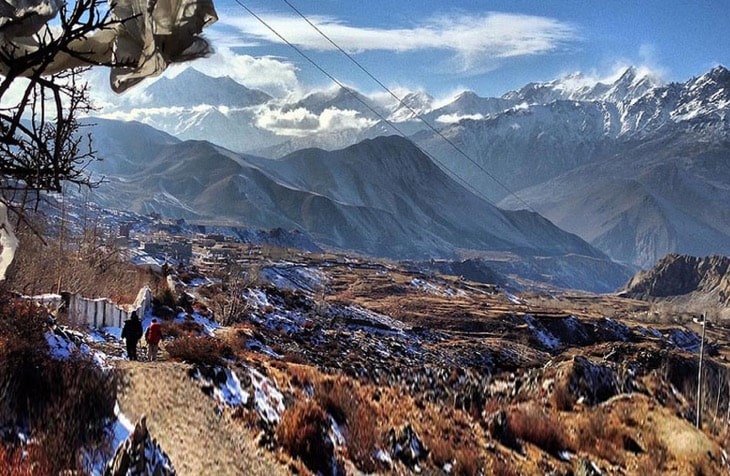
point(342, 366)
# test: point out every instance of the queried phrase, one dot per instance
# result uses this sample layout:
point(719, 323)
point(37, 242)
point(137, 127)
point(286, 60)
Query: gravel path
point(185, 423)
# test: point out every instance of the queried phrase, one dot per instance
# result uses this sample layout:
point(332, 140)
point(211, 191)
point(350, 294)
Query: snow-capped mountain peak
point(706, 96)
point(192, 88)
point(630, 84)
point(412, 105)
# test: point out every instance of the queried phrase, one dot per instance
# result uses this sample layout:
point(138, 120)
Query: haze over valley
point(633, 166)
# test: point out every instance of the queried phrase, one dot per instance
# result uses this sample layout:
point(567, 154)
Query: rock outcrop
point(703, 278)
point(140, 455)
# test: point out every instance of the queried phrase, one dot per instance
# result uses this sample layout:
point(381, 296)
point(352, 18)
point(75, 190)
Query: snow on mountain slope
point(524, 145)
point(411, 105)
point(526, 138)
point(628, 86)
point(192, 88)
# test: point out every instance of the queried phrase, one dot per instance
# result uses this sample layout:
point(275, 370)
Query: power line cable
point(455, 176)
point(416, 114)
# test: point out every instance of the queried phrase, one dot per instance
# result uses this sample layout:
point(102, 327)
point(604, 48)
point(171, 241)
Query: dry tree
point(45, 45)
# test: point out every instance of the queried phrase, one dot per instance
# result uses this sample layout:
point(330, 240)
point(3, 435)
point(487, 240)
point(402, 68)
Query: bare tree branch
point(42, 97)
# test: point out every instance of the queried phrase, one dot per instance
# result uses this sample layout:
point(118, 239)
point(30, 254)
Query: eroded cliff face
point(704, 278)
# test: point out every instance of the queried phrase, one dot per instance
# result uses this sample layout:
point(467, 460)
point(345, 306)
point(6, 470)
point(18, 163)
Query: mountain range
point(380, 197)
point(633, 166)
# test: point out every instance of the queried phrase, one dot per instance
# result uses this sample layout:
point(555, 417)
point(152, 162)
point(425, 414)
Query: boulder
point(139, 455)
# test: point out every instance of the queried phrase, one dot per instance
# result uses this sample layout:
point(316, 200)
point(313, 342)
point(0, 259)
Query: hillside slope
point(702, 280)
point(382, 197)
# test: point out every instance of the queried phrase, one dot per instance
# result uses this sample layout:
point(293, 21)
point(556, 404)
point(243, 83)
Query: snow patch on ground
point(209, 326)
point(64, 344)
point(544, 336)
point(512, 298)
point(273, 318)
point(226, 387)
point(258, 346)
point(117, 432)
point(295, 278)
point(685, 339)
point(648, 332)
point(269, 401)
point(230, 392)
point(198, 282)
point(619, 329)
point(430, 288)
point(336, 434)
point(371, 321)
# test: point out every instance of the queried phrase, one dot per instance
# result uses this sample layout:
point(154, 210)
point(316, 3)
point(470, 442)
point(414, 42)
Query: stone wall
point(105, 313)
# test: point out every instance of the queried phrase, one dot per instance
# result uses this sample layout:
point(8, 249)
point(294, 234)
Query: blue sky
point(489, 47)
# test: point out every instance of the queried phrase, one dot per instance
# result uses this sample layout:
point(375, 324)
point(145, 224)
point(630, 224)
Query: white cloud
point(474, 39)
point(333, 119)
point(454, 118)
point(385, 100)
point(295, 122)
point(272, 75)
point(449, 96)
point(300, 122)
point(146, 115)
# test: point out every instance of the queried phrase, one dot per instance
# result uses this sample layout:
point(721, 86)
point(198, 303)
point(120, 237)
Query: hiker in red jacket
point(153, 336)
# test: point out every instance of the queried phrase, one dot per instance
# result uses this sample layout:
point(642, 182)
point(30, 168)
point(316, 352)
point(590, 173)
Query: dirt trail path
point(185, 423)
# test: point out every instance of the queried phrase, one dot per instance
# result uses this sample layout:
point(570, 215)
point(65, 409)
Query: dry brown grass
point(441, 450)
point(348, 404)
point(563, 398)
point(65, 403)
point(529, 423)
point(302, 432)
point(467, 462)
point(181, 329)
point(199, 350)
point(35, 461)
point(367, 413)
point(502, 468)
point(89, 269)
point(656, 457)
point(603, 436)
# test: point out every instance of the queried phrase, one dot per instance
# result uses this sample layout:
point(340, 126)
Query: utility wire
point(416, 114)
point(456, 177)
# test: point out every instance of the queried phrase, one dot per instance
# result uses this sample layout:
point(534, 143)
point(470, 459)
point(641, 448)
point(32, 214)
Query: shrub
point(534, 426)
point(502, 468)
point(165, 296)
point(66, 403)
point(199, 350)
point(181, 329)
point(562, 396)
point(468, 462)
point(346, 404)
point(302, 432)
point(74, 264)
point(602, 437)
point(441, 450)
point(14, 463)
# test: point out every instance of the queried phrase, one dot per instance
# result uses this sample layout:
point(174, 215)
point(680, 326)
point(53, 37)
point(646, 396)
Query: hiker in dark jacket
point(132, 333)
